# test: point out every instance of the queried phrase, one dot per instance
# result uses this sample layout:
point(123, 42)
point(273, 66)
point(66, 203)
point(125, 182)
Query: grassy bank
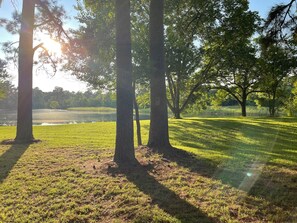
point(233, 170)
point(229, 111)
point(92, 109)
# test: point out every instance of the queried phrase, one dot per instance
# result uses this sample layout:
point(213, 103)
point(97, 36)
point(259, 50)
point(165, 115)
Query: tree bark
point(272, 104)
point(158, 134)
point(243, 109)
point(24, 112)
point(137, 119)
point(177, 113)
point(177, 100)
point(243, 104)
point(124, 151)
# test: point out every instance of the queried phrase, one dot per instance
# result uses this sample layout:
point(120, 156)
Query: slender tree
point(158, 134)
point(45, 21)
point(24, 117)
point(124, 151)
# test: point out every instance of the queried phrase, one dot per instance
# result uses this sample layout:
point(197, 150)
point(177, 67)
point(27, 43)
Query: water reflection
point(56, 117)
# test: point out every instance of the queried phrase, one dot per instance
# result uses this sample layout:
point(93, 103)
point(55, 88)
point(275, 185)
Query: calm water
point(54, 117)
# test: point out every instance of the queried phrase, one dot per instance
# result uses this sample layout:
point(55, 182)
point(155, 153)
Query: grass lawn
point(230, 111)
point(227, 170)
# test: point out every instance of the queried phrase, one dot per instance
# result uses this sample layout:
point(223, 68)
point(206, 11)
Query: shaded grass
point(228, 170)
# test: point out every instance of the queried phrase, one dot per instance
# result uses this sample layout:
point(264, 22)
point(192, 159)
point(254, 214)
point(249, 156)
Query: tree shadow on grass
point(9, 158)
point(243, 169)
point(166, 199)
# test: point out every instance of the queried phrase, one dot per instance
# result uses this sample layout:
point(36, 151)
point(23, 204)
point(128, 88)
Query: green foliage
point(65, 99)
point(48, 20)
point(229, 48)
point(219, 97)
point(91, 54)
point(276, 65)
point(54, 104)
point(280, 25)
point(290, 105)
point(4, 83)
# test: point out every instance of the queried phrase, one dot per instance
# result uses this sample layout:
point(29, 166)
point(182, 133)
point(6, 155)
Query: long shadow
point(10, 158)
point(166, 199)
point(247, 176)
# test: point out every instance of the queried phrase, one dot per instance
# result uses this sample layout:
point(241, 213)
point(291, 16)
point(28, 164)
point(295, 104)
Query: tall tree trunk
point(177, 100)
point(243, 104)
point(243, 109)
point(158, 134)
point(124, 151)
point(177, 113)
point(24, 116)
point(272, 104)
point(137, 119)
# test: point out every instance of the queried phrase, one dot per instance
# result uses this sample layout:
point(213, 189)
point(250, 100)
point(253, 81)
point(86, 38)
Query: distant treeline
point(61, 99)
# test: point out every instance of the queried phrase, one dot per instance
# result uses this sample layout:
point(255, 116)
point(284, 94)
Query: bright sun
point(53, 47)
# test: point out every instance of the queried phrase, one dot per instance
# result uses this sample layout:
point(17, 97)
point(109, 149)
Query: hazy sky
point(68, 82)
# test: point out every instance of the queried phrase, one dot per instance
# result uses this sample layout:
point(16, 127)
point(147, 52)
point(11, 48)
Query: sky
point(48, 82)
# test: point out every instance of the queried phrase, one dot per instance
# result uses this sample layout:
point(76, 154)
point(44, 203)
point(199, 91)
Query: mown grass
point(229, 111)
point(227, 170)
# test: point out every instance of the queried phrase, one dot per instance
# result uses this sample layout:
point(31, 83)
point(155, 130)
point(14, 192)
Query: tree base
point(163, 149)
point(16, 142)
point(122, 162)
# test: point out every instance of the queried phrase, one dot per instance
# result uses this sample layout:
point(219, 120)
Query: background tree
point(91, 54)
point(229, 44)
point(290, 104)
point(275, 64)
point(182, 57)
point(4, 83)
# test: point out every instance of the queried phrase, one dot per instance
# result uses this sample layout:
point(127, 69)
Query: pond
point(56, 117)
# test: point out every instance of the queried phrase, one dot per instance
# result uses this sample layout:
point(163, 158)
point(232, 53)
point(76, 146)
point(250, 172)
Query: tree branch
point(57, 21)
point(37, 47)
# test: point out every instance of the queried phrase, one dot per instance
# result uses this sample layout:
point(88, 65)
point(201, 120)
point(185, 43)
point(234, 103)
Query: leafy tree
point(54, 105)
point(229, 45)
point(275, 65)
point(182, 60)
point(290, 105)
point(4, 83)
point(39, 101)
point(10, 99)
point(158, 134)
point(90, 56)
point(124, 151)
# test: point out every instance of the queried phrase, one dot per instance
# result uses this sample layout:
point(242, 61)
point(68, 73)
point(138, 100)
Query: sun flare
point(53, 47)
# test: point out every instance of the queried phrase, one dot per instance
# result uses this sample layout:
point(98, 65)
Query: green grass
point(92, 109)
point(232, 170)
point(229, 111)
